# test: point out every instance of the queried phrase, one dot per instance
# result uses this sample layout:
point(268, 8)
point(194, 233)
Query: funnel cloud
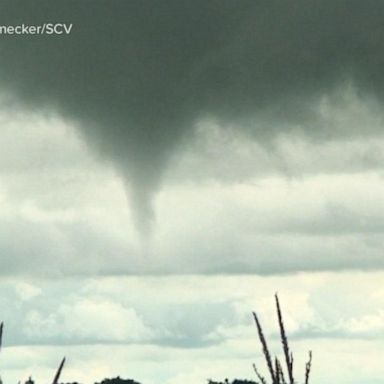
point(166, 166)
point(137, 76)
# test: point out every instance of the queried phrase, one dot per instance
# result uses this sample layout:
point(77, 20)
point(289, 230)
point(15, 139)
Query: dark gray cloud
point(136, 75)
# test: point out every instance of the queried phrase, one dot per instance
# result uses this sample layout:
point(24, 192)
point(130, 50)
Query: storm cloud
point(136, 77)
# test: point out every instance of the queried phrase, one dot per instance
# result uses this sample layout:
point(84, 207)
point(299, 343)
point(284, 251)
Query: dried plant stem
point(308, 368)
point(261, 378)
point(275, 368)
point(284, 340)
point(58, 373)
point(1, 334)
point(266, 353)
point(279, 372)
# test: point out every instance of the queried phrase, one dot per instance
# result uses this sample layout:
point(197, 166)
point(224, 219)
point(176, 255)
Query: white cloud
point(87, 320)
point(27, 291)
point(370, 324)
point(159, 329)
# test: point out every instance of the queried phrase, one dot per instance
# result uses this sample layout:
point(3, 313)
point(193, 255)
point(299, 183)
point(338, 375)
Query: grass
point(277, 374)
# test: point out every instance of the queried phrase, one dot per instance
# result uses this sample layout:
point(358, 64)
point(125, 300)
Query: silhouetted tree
point(118, 380)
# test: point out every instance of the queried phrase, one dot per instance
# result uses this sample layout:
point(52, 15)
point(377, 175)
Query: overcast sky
point(167, 166)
